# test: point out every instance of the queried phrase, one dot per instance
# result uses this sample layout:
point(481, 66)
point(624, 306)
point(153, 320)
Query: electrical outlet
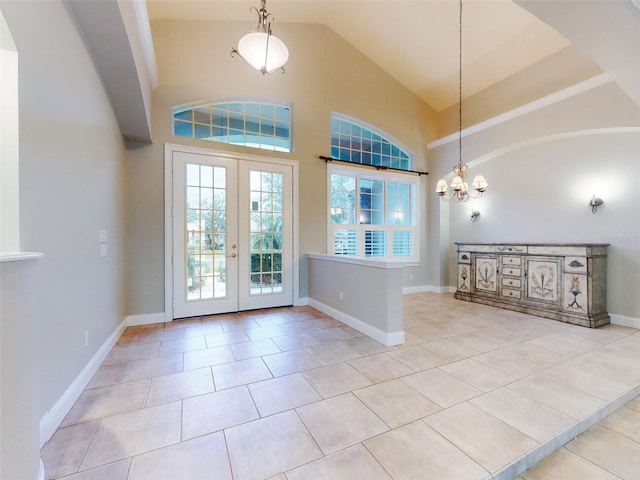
point(103, 249)
point(103, 236)
point(341, 296)
point(86, 339)
point(411, 276)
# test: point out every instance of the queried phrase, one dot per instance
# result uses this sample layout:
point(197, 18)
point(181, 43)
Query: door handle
point(233, 255)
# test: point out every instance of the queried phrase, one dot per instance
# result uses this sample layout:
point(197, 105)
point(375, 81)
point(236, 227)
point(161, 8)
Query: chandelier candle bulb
point(457, 184)
point(441, 187)
point(479, 183)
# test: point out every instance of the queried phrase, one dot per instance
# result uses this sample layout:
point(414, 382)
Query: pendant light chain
point(460, 192)
point(460, 89)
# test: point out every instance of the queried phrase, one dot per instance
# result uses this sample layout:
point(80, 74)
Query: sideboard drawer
point(512, 272)
point(511, 282)
point(575, 264)
point(464, 257)
point(516, 261)
point(509, 292)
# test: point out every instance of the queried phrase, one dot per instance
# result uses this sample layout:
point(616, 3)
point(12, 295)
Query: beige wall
point(556, 72)
point(542, 170)
point(324, 74)
point(71, 186)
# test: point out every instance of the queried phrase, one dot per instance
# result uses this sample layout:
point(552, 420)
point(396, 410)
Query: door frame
point(169, 149)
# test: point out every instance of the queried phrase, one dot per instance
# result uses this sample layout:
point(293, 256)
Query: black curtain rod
point(377, 167)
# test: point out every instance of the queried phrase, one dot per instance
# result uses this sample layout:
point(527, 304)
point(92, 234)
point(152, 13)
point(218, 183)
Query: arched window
point(356, 142)
point(252, 123)
point(371, 213)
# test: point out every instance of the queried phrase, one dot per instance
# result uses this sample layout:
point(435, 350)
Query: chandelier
point(260, 49)
point(459, 186)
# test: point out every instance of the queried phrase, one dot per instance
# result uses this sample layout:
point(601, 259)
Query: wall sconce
point(594, 203)
point(475, 215)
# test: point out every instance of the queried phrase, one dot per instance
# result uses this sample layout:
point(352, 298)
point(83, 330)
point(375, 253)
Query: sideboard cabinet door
point(576, 293)
point(485, 274)
point(544, 279)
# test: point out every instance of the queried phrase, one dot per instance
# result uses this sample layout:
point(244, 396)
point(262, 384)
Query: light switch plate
point(103, 250)
point(104, 236)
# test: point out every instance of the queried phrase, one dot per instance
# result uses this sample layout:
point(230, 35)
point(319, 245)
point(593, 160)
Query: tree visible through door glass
point(205, 235)
point(266, 221)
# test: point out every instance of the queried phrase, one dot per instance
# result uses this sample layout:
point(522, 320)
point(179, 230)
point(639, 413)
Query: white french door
point(231, 234)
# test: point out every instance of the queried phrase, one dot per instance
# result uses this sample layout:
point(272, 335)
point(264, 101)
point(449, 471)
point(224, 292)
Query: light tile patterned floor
point(290, 394)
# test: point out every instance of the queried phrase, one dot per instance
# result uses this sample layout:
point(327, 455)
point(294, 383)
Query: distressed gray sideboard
point(566, 282)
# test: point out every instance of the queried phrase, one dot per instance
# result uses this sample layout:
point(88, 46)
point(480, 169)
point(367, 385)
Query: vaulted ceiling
point(415, 41)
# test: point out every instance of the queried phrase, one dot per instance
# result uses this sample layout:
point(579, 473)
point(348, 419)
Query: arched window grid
point(250, 123)
point(357, 142)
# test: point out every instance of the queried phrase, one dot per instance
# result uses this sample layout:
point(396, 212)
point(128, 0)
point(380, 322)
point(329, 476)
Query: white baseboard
point(301, 302)
point(144, 319)
point(54, 417)
point(416, 289)
point(427, 288)
point(387, 339)
point(624, 320)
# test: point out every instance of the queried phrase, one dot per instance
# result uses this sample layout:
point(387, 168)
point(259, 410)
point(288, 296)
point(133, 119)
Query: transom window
point(249, 123)
point(356, 142)
point(372, 214)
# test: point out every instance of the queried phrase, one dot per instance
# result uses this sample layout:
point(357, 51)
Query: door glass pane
point(206, 198)
point(265, 225)
point(205, 235)
point(193, 197)
point(277, 202)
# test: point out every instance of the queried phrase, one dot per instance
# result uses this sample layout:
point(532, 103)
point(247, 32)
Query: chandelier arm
point(258, 12)
point(235, 51)
point(263, 17)
point(456, 196)
point(460, 197)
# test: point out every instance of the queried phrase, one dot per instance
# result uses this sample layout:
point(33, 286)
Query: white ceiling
point(415, 41)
